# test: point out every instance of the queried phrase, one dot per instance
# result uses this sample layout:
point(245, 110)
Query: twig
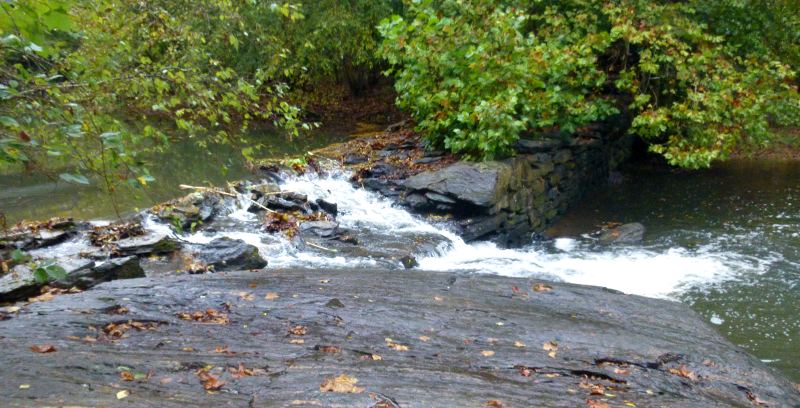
point(184, 186)
point(321, 247)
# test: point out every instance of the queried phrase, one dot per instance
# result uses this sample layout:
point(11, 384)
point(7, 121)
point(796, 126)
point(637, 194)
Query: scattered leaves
point(47, 293)
point(596, 404)
point(43, 349)
point(209, 316)
point(330, 349)
point(298, 330)
point(618, 370)
point(341, 384)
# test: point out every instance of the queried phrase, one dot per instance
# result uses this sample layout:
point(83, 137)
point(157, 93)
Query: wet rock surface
point(423, 339)
point(226, 254)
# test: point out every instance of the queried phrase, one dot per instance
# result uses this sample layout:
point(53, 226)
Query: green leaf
point(19, 256)
point(10, 122)
point(74, 178)
point(57, 19)
point(56, 272)
point(41, 276)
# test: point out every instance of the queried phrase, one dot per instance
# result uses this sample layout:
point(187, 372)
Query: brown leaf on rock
point(297, 341)
point(397, 347)
point(243, 371)
point(210, 381)
point(542, 288)
point(324, 280)
point(125, 376)
point(518, 344)
point(487, 353)
point(424, 338)
point(223, 350)
point(271, 296)
point(298, 330)
point(596, 404)
point(330, 349)
point(495, 404)
point(618, 370)
point(43, 349)
point(515, 289)
point(594, 389)
point(165, 381)
point(341, 384)
point(685, 373)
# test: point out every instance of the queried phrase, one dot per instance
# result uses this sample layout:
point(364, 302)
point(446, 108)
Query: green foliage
point(477, 74)
point(47, 270)
point(20, 257)
point(70, 92)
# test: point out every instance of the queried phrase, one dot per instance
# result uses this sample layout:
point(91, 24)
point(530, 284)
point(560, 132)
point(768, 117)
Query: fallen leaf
point(341, 384)
point(685, 373)
point(495, 404)
point(542, 288)
point(618, 370)
point(550, 347)
point(376, 357)
point(330, 349)
point(298, 330)
point(518, 344)
point(438, 299)
point(596, 404)
point(297, 341)
point(487, 353)
point(515, 290)
point(166, 380)
point(253, 285)
point(125, 376)
point(188, 349)
point(24, 386)
point(424, 338)
point(397, 347)
point(271, 296)
point(210, 381)
point(324, 280)
point(552, 354)
point(122, 394)
point(43, 349)
point(630, 404)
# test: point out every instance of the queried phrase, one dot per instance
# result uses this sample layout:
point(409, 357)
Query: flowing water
point(723, 241)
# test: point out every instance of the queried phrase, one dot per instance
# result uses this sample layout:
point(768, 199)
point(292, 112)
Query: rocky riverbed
point(281, 338)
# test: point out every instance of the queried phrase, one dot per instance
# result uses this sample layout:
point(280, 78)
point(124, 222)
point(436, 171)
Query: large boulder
point(434, 340)
point(226, 254)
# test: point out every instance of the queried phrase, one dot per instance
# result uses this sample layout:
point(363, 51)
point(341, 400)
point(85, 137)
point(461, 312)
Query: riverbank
point(273, 338)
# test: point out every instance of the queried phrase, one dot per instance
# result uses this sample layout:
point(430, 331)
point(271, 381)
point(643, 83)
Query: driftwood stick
point(321, 247)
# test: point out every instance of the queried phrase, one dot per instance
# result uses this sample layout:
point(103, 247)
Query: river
point(723, 241)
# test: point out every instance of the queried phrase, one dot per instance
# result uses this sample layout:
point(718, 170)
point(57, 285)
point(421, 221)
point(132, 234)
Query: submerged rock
point(226, 254)
point(423, 339)
point(324, 229)
point(627, 233)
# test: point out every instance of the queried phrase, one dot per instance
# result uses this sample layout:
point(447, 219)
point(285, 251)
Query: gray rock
point(640, 347)
point(151, 243)
point(528, 146)
point(324, 229)
point(351, 160)
point(20, 284)
point(328, 207)
point(481, 184)
point(114, 269)
point(627, 233)
point(226, 254)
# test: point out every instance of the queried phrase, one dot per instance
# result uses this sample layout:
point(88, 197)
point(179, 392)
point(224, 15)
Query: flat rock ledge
point(424, 339)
